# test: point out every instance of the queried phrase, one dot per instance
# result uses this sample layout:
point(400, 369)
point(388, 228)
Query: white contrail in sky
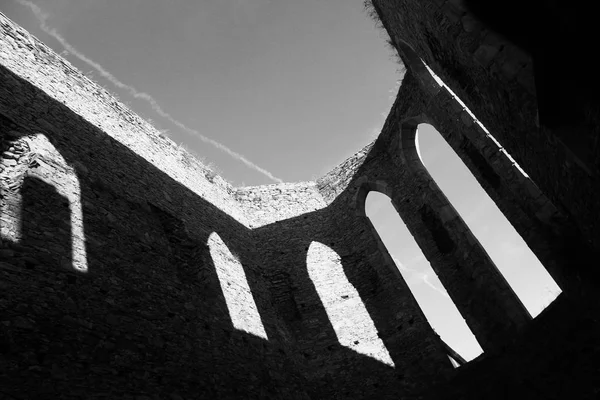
point(42, 17)
point(423, 277)
point(434, 287)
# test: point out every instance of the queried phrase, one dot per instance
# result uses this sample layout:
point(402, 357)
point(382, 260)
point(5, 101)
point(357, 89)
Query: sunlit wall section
point(240, 302)
point(351, 322)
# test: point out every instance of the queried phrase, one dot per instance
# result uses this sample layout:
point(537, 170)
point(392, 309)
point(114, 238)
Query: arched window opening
point(433, 299)
point(232, 278)
point(345, 309)
point(507, 249)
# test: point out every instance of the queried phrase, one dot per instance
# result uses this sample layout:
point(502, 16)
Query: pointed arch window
point(518, 264)
point(430, 294)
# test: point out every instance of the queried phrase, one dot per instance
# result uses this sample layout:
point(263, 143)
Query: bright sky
point(293, 86)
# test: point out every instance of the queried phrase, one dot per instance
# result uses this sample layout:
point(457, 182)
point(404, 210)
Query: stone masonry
point(129, 270)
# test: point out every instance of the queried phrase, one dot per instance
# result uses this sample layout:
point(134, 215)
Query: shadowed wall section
point(153, 314)
point(549, 231)
point(148, 318)
point(165, 308)
point(462, 265)
point(494, 77)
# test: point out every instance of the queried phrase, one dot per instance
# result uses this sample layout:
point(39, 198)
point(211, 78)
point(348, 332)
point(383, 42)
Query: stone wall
point(494, 77)
point(556, 357)
point(34, 62)
point(463, 266)
point(130, 270)
point(111, 283)
point(267, 204)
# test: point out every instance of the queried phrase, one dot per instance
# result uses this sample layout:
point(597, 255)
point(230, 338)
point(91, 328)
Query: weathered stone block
point(485, 54)
point(149, 220)
point(470, 23)
point(466, 119)
point(452, 11)
point(526, 78)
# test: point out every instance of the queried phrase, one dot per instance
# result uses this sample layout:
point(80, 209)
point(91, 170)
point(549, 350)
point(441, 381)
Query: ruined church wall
point(348, 312)
point(268, 204)
point(30, 59)
point(463, 266)
point(550, 359)
point(546, 229)
point(347, 308)
point(150, 317)
point(492, 76)
point(357, 328)
point(495, 80)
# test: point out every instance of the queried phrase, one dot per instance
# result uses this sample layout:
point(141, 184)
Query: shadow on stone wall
point(333, 369)
point(480, 51)
point(45, 222)
point(148, 320)
point(564, 83)
point(414, 348)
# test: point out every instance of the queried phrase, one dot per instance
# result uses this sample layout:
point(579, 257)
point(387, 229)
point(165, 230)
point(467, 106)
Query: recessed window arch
point(518, 264)
point(430, 294)
point(533, 285)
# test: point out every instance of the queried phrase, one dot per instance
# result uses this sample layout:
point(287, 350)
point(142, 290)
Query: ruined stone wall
point(36, 63)
point(468, 274)
point(554, 358)
point(494, 78)
point(130, 270)
point(149, 317)
point(359, 331)
point(546, 229)
point(267, 204)
point(532, 359)
point(325, 311)
point(113, 281)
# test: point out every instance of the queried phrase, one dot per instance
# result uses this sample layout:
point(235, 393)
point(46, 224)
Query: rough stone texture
point(271, 203)
point(39, 65)
point(113, 287)
point(148, 317)
point(494, 77)
point(556, 357)
point(129, 270)
point(462, 265)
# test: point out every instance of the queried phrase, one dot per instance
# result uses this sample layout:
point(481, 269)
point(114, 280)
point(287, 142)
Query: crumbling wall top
point(267, 204)
point(32, 60)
